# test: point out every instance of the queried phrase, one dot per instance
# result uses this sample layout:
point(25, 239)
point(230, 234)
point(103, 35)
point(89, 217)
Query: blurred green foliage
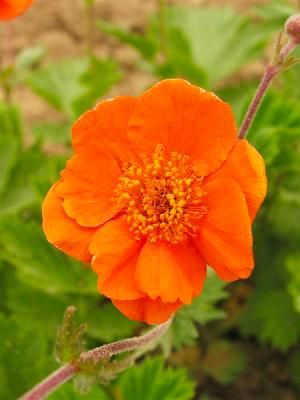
point(211, 47)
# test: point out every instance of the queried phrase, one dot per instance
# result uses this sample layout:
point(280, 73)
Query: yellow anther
point(161, 197)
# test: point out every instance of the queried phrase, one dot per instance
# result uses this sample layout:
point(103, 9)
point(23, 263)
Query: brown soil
point(59, 27)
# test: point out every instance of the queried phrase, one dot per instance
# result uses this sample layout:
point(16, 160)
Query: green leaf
point(38, 263)
point(19, 191)
point(28, 57)
point(33, 309)
point(215, 42)
point(93, 87)
point(147, 44)
point(275, 13)
point(24, 359)
point(72, 86)
point(10, 120)
point(67, 392)
point(105, 322)
point(179, 61)
point(52, 132)
point(224, 361)
point(271, 317)
point(203, 310)
point(218, 37)
point(292, 264)
point(151, 381)
point(59, 83)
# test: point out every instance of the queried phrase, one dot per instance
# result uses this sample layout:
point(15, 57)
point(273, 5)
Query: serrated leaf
point(218, 37)
point(72, 86)
point(152, 381)
point(271, 316)
point(38, 263)
point(203, 310)
point(59, 83)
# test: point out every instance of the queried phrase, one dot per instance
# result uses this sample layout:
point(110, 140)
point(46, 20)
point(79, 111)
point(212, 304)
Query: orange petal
point(115, 255)
point(185, 119)
point(62, 231)
point(225, 238)
point(88, 187)
point(106, 125)
point(247, 167)
point(12, 8)
point(171, 272)
point(147, 310)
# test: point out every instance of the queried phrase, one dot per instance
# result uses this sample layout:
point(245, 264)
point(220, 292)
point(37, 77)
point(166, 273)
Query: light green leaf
point(151, 381)
point(72, 86)
point(100, 76)
point(59, 83)
point(147, 44)
point(222, 41)
point(28, 57)
point(52, 132)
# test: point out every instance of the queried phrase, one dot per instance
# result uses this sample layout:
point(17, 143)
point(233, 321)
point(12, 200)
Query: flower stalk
point(90, 27)
point(68, 371)
point(161, 5)
point(280, 62)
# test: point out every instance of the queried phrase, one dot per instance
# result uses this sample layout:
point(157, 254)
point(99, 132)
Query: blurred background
point(237, 341)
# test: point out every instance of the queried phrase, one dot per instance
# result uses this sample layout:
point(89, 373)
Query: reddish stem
point(66, 372)
point(271, 71)
point(51, 383)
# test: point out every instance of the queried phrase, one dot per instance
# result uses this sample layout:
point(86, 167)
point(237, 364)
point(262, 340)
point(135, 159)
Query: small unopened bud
point(292, 28)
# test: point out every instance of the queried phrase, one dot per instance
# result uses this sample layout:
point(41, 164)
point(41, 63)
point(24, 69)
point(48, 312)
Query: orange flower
point(10, 9)
point(158, 188)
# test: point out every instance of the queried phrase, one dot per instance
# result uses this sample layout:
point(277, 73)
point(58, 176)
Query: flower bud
point(292, 27)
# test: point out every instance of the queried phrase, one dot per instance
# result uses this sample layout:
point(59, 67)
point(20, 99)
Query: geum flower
point(10, 9)
point(158, 188)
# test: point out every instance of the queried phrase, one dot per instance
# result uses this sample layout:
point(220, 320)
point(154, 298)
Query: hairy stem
point(57, 378)
point(271, 71)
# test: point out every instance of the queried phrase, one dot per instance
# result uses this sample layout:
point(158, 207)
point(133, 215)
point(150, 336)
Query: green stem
point(90, 28)
point(161, 4)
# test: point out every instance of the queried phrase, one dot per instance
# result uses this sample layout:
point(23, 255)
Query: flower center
point(162, 199)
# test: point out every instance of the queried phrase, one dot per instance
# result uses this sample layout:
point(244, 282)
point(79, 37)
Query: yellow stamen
point(162, 199)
